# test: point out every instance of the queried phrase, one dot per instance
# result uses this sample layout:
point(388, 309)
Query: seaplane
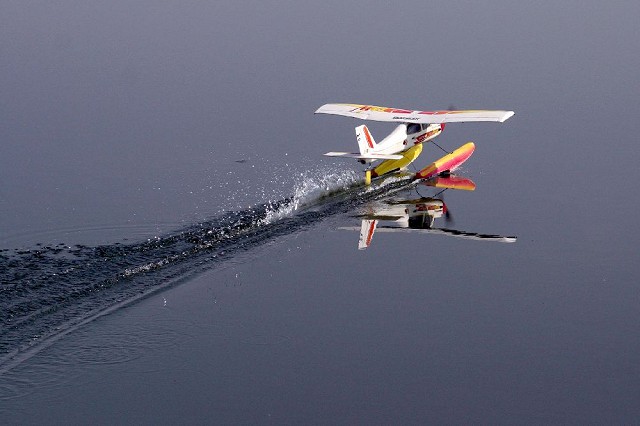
point(411, 215)
point(404, 144)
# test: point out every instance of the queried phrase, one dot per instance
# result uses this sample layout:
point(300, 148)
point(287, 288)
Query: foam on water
point(48, 290)
point(312, 187)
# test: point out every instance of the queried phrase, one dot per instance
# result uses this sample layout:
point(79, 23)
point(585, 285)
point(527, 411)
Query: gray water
point(175, 249)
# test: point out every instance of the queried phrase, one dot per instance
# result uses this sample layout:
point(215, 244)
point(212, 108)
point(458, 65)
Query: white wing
point(377, 113)
point(364, 156)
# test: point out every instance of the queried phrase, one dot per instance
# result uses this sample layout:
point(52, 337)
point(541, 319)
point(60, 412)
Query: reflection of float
point(418, 215)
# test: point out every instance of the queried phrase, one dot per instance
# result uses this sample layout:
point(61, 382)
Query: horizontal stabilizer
point(364, 157)
point(377, 113)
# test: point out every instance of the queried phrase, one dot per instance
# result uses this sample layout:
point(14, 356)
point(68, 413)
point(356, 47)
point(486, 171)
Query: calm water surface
point(174, 248)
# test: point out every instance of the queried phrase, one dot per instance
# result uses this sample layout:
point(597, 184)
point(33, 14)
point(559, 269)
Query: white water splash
point(312, 186)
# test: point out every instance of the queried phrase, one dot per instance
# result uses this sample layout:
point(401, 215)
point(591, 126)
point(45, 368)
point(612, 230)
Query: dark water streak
point(47, 290)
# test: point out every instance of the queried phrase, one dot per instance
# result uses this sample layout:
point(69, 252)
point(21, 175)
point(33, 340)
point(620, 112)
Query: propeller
point(448, 218)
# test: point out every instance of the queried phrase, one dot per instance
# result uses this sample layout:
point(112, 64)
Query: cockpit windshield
point(413, 128)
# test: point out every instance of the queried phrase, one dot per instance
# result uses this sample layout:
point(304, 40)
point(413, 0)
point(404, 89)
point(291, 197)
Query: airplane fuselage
point(406, 140)
point(404, 136)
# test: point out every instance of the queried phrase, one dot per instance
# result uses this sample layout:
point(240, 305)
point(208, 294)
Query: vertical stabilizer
point(367, 229)
point(366, 143)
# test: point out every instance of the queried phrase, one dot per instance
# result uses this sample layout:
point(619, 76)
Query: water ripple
point(49, 290)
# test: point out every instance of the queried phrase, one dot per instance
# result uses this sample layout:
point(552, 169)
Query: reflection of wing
point(368, 227)
point(451, 232)
point(376, 113)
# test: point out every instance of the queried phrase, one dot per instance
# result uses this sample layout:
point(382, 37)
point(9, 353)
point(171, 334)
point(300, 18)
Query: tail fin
point(366, 143)
point(367, 229)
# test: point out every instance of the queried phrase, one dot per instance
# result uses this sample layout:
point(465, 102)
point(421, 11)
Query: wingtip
point(321, 109)
point(507, 115)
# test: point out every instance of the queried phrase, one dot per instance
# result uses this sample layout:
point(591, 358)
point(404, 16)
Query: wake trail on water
point(47, 291)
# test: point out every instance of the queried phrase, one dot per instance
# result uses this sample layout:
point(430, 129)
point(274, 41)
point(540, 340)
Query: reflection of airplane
point(404, 144)
point(417, 215)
